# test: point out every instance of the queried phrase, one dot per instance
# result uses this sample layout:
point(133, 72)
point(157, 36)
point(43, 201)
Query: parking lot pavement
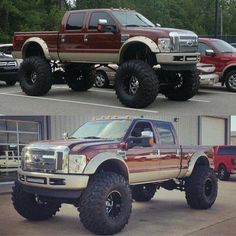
point(166, 214)
point(61, 100)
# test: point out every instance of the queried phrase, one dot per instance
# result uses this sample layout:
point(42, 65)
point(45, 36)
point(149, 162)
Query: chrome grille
point(40, 161)
point(188, 43)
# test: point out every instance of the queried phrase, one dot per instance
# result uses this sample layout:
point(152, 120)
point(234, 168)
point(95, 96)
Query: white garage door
point(213, 131)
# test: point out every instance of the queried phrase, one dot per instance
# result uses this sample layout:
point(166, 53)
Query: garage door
point(213, 131)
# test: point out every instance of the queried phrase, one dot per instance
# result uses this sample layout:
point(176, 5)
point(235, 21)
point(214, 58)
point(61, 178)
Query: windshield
point(102, 129)
point(132, 19)
point(223, 46)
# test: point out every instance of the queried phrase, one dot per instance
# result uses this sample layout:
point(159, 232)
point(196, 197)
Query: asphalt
point(61, 100)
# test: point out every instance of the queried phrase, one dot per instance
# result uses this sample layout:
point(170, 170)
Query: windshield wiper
point(132, 26)
point(92, 137)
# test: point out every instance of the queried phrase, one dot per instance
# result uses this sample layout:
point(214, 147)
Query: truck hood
point(156, 32)
point(70, 143)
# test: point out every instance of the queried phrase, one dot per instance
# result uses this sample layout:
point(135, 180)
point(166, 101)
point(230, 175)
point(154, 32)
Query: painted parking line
point(81, 103)
point(217, 92)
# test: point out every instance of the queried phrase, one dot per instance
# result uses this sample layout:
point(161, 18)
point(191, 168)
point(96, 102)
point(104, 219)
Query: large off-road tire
point(10, 82)
point(106, 204)
point(136, 84)
point(230, 81)
point(101, 80)
point(143, 193)
point(80, 77)
point(201, 188)
point(31, 208)
point(35, 76)
point(184, 85)
point(223, 174)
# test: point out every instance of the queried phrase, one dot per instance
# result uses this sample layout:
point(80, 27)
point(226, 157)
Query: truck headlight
point(164, 44)
point(77, 164)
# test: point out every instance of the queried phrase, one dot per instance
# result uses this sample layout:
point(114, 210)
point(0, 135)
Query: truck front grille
point(40, 161)
point(188, 44)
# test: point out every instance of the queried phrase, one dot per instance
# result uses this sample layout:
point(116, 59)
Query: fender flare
point(227, 68)
point(101, 158)
point(40, 42)
point(138, 39)
point(192, 162)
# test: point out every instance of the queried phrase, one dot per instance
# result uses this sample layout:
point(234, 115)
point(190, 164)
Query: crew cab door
point(169, 152)
point(142, 160)
point(71, 41)
point(101, 47)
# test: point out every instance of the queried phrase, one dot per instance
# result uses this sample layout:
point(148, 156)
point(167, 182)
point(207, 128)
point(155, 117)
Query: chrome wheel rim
point(113, 204)
point(133, 85)
point(33, 77)
point(100, 80)
point(232, 81)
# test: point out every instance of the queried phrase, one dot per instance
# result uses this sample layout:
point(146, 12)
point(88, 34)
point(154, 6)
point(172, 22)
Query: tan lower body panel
point(98, 58)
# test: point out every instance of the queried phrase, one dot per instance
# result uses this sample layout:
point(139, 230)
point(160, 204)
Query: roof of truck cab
point(102, 9)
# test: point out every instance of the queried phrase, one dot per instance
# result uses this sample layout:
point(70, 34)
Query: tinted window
point(75, 21)
point(99, 15)
point(227, 151)
point(223, 46)
point(202, 47)
point(165, 133)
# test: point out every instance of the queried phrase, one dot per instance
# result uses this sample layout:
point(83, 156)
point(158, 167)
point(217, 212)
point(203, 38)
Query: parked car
point(105, 76)
point(223, 56)
point(225, 161)
point(8, 70)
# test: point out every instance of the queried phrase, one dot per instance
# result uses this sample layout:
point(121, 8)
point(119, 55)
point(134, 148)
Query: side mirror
point(139, 141)
point(104, 27)
point(210, 52)
point(158, 25)
point(147, 134)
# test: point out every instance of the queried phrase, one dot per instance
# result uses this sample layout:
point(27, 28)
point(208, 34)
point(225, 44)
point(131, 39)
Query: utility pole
point(216, 17)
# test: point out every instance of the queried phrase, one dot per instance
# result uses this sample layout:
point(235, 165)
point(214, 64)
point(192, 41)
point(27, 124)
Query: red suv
point(223, 56)
point(225, 161)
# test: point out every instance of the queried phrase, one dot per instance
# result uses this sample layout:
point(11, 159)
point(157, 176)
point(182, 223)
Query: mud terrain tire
point(187, 85)
point(136, 84)
point(28, 207)
point(106, 204)
point(35, 76)
point(80, 78)
point(143, 193)
point(201, 188)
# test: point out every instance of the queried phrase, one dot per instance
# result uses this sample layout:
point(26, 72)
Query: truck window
point(202, 47)
point(99, 15)
point(165, 133)
point(75, 21)
point(139, 128)
point(227, 151)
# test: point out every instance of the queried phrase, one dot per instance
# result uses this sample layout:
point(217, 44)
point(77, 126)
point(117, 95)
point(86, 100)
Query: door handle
point(85, 38)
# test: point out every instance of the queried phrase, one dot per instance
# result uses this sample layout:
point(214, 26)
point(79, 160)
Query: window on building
point(14, 135)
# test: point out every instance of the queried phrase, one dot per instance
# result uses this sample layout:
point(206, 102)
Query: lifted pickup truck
point(104, 165)
point(151, 59)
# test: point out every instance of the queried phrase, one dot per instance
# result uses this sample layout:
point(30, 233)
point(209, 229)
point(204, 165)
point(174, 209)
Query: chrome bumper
point(209, 79)
point(177, 58)
point(53, 181)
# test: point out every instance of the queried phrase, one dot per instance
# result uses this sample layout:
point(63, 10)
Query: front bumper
point(233, 172)
point(53, 181)
point(209, 79)
point(177, 58)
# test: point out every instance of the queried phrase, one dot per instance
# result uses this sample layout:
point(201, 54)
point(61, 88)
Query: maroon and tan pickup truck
point(151, 59)
point(105, 164)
